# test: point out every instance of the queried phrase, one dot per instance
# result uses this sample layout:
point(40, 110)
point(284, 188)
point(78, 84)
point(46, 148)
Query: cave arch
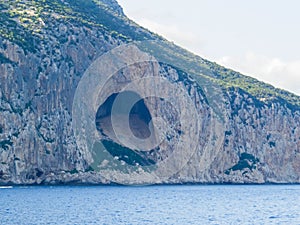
point(139, 117)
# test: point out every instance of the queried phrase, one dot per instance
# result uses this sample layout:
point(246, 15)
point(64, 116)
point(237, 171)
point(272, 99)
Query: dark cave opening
point(139, 115)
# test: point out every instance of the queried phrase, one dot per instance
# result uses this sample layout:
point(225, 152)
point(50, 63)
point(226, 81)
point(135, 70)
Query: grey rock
point(258, 143)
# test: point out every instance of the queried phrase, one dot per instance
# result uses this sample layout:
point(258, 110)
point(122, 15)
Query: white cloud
point(281, 74)
point(212, 36)
point(172, 33)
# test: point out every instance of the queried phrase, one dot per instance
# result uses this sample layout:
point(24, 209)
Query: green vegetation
point(13, 31)
point(5, 144)
point(3, 59)
point(26, 23)
point(74, 171)
point(209, 74)
point(228, 133)
point(246, 161)
point(262, 91)
point(89, 169)
point(272, 144)
point(129, 156)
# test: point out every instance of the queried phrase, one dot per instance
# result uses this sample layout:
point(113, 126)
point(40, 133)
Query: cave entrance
point(139, 116)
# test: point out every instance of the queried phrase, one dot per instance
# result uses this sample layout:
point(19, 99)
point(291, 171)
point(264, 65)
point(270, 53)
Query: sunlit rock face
point(149, 140)
point(255, 141)
point(261, 145)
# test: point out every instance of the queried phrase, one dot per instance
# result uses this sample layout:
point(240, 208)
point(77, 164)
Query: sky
point(259, 38)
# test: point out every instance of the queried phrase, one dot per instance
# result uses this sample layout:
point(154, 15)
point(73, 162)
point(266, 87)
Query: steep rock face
point(260, 141)
point(36, 93)
point(261, 145)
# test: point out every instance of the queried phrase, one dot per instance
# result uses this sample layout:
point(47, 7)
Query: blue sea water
point(187, 204)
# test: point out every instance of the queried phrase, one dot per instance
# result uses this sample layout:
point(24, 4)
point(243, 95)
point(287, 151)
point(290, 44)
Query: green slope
point(22, 22)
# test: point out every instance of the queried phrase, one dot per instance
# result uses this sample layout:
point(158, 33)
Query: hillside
point(46, 47)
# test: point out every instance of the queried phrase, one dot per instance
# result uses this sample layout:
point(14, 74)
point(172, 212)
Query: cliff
point(232, 128)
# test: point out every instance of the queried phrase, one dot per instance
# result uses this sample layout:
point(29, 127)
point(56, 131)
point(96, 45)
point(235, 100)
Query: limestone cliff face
point(42, 64)
point(36, 94)
point(261, 145)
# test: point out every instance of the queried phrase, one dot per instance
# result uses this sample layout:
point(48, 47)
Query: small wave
point(5, 187)
point(274, 217)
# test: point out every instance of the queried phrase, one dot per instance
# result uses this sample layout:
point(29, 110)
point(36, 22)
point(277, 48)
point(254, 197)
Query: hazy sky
point(260, 38)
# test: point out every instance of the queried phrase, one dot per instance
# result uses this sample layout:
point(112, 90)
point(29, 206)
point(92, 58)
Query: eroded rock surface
point(259, 142)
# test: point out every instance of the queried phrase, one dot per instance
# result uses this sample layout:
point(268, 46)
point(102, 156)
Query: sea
point(170, 204)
